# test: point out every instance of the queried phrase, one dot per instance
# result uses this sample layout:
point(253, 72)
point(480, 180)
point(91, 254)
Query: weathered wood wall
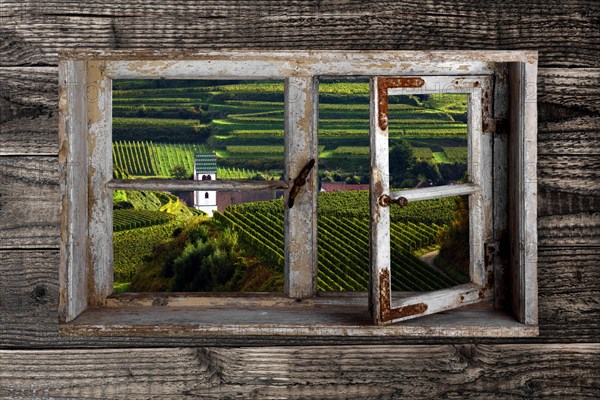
point(563, 362)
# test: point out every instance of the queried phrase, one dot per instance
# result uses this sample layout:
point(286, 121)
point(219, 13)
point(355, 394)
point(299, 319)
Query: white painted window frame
point(479, 189)
point(86, 162)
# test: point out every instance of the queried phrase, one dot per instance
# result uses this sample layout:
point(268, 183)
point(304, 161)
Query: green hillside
point(243, 121)
point(160, 244)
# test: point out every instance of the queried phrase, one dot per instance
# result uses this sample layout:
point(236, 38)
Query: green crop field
point(140, 221)
point(274, 150)
point(158, 125)
point(457, 154)
point(124, 220)
point(343, 246)
point(352, 150)
point(343, 238)
point(147, 159)
point(423, 153)
point(251, 113)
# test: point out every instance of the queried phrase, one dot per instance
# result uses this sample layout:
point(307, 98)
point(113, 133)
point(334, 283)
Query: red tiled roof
point(339, 186)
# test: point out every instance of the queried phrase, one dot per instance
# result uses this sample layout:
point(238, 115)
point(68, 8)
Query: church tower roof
point(205, 163)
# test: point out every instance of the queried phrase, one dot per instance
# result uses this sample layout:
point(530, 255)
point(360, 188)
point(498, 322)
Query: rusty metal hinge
point(490, 250)
point(383, 84)
point(300, 181)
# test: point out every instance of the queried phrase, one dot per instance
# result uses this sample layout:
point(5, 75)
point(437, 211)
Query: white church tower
point(205, 169)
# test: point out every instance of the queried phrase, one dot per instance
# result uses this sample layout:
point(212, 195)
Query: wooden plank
point(569, 230)
point(569, 88)
point(571, 135)
point(522, 176)
point(568, 145)
point(29, 202)
point(438, 371)
point(248, 64)
point(569, 289)
point(380, 286)
point(568, 112)
point(300, 221)
point(99, 172)
point(29, 281)
point(572, 174)
point(555, 202)
point(28, 111)
point(29, 297)
point(435, 192)
point(73, 159)
point(528, 242)
point(340, 319)
point(34, 32)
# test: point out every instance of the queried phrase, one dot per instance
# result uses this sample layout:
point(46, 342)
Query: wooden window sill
point(268, 314)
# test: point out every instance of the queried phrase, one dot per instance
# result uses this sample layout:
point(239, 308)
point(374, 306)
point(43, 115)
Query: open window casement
point(384, 308)
point(500, 86)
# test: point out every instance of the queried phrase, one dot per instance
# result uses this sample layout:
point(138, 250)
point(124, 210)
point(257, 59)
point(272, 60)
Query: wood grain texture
point(29, 202)
point(552, 201)
point(374, 372)
point(577, 174)
point(568, 152)
point(29, 281)
point(565, 33)
point(569, 111)
point(569, 230)
point(28, 111)
point(569, 286)
point(569, 307)
point(572, 88)
point(573, 133)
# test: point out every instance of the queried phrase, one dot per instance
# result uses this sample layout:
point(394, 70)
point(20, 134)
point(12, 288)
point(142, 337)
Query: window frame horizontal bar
point(193, 185)
point(434, 302)
point(436, 192)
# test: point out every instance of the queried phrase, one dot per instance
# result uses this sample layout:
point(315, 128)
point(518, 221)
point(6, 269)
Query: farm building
point(43, 356)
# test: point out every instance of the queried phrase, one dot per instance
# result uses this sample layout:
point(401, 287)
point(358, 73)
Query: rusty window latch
point(385, 201)
point(300, 181)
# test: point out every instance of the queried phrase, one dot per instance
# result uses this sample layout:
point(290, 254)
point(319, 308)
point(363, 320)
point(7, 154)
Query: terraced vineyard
point(158, 159)
point(243, 123)
point(344, 242)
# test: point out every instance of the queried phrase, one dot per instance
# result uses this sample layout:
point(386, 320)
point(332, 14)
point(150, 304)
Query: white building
point(205, 169)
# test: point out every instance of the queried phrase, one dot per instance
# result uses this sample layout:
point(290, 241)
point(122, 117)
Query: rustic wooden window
point(384, 309)
point(501, 189)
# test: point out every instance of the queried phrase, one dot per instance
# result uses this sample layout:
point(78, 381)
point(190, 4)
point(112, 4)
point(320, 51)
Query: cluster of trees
point(203, 256)
point(406, 171)
point(339, 176)
point(198, 112)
